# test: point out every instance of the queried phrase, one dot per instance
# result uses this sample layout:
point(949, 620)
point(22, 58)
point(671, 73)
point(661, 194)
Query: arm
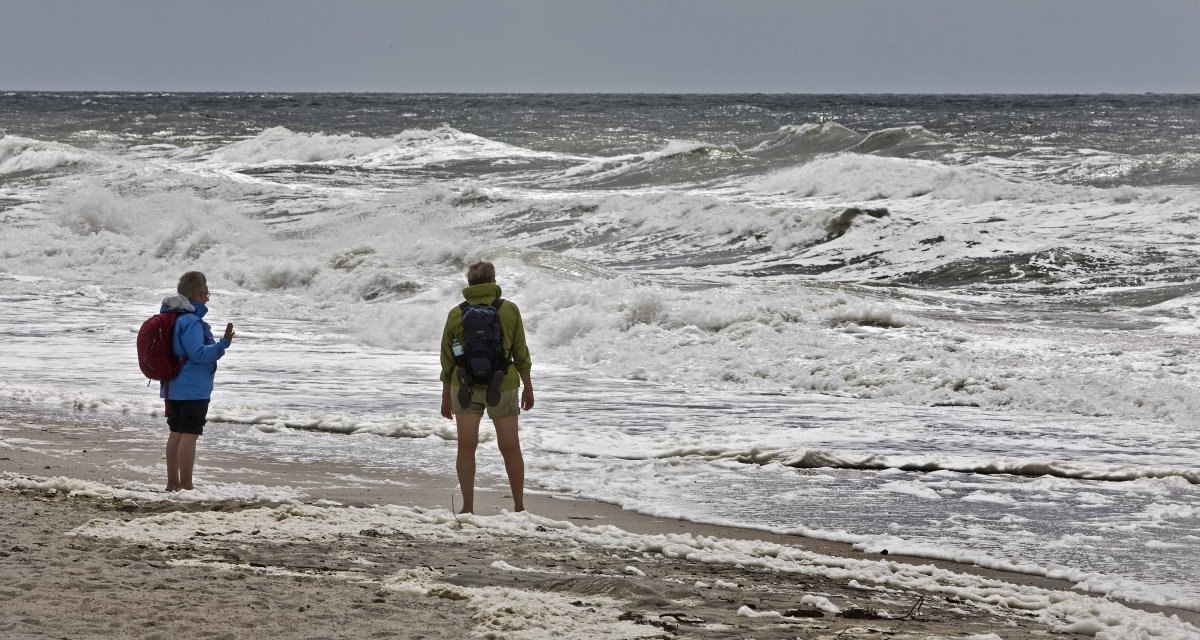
point(519, 352)
point(527, 393)
point(191, 338)
point(447, 409)
point(447, 357)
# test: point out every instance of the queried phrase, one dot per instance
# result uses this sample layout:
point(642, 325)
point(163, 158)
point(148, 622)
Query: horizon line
point(4, 91)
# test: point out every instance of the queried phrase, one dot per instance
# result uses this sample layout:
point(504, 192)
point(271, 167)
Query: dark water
point(614, 124)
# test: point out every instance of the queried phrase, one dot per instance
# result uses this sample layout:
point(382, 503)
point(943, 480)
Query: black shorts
point(187, 416)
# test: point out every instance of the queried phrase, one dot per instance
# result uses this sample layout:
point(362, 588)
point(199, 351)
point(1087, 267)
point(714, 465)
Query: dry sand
point(201, 572)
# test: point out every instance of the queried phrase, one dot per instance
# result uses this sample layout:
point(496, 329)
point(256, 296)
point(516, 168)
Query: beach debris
point(682, 618)
point(447, 593)
point(638, 618)
point(807, 612)
point(913, 613)
point(859, 613)
point(454, 512)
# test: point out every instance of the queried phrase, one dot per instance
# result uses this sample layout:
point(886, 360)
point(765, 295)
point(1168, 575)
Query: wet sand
point(385, 558)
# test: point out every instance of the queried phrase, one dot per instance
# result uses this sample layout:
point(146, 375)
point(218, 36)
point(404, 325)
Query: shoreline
point(72, 446)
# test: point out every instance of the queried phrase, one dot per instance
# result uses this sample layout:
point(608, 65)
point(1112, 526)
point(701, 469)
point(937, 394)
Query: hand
point(447, 409)
point(527, 399)
point(229, 334)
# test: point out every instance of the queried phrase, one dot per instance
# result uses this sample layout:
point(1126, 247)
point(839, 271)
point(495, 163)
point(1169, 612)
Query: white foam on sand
point(537, 615)
point(212, 492)
point(527, 615)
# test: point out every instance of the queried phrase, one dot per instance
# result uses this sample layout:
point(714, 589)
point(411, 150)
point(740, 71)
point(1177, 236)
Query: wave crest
point(857, 177)
point(26, 155)
point(412, 147)
point(676, 161)
point(807, 140)
point(903, 142)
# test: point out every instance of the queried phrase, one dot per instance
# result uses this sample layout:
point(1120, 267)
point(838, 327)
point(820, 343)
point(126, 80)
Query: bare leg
point(186, 458)
point(468, 440)
point(173, 461)
point(514, 465)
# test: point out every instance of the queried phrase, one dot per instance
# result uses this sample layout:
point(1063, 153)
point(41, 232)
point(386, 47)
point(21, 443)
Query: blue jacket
point(194, 339)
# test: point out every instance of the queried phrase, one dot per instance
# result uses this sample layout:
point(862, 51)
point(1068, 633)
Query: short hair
point(481, 272)
point(192, 284)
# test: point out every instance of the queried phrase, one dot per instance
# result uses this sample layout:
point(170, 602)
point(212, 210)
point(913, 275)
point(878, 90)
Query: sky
point(603, 46)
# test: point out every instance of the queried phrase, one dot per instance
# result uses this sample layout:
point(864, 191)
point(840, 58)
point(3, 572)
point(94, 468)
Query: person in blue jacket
point(187, 394)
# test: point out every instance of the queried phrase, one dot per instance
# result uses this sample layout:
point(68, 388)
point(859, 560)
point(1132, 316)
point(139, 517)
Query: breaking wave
point(27, 156)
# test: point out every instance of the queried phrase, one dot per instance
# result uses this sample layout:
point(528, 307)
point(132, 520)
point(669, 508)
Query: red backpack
point(155, 355)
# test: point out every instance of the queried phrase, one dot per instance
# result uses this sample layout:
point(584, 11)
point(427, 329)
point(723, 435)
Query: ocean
point(958, 327)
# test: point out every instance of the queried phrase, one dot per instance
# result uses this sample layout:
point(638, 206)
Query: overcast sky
point(777, 46)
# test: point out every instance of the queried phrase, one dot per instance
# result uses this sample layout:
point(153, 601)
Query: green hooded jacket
point(511, 326)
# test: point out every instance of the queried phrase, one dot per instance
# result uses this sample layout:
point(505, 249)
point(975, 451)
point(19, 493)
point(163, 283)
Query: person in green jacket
point(482, 289)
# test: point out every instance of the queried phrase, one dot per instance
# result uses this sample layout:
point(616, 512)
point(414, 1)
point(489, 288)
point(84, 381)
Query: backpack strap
point(461, 359)
point(464, 305)
point(504, 359)
point(175, 327)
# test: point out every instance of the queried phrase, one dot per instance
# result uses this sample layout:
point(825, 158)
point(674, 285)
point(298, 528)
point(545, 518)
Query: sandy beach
point(89, 548)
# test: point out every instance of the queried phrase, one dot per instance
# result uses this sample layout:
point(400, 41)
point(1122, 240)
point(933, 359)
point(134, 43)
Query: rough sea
point(959, 327)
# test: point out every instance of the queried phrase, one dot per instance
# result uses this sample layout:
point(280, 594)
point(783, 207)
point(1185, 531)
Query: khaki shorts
point(508, 406)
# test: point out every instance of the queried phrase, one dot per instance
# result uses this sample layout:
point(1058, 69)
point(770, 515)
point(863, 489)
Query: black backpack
point(482, 359)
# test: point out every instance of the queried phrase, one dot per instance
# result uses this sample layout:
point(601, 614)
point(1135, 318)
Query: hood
point(179, 304)
point(482, 293)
